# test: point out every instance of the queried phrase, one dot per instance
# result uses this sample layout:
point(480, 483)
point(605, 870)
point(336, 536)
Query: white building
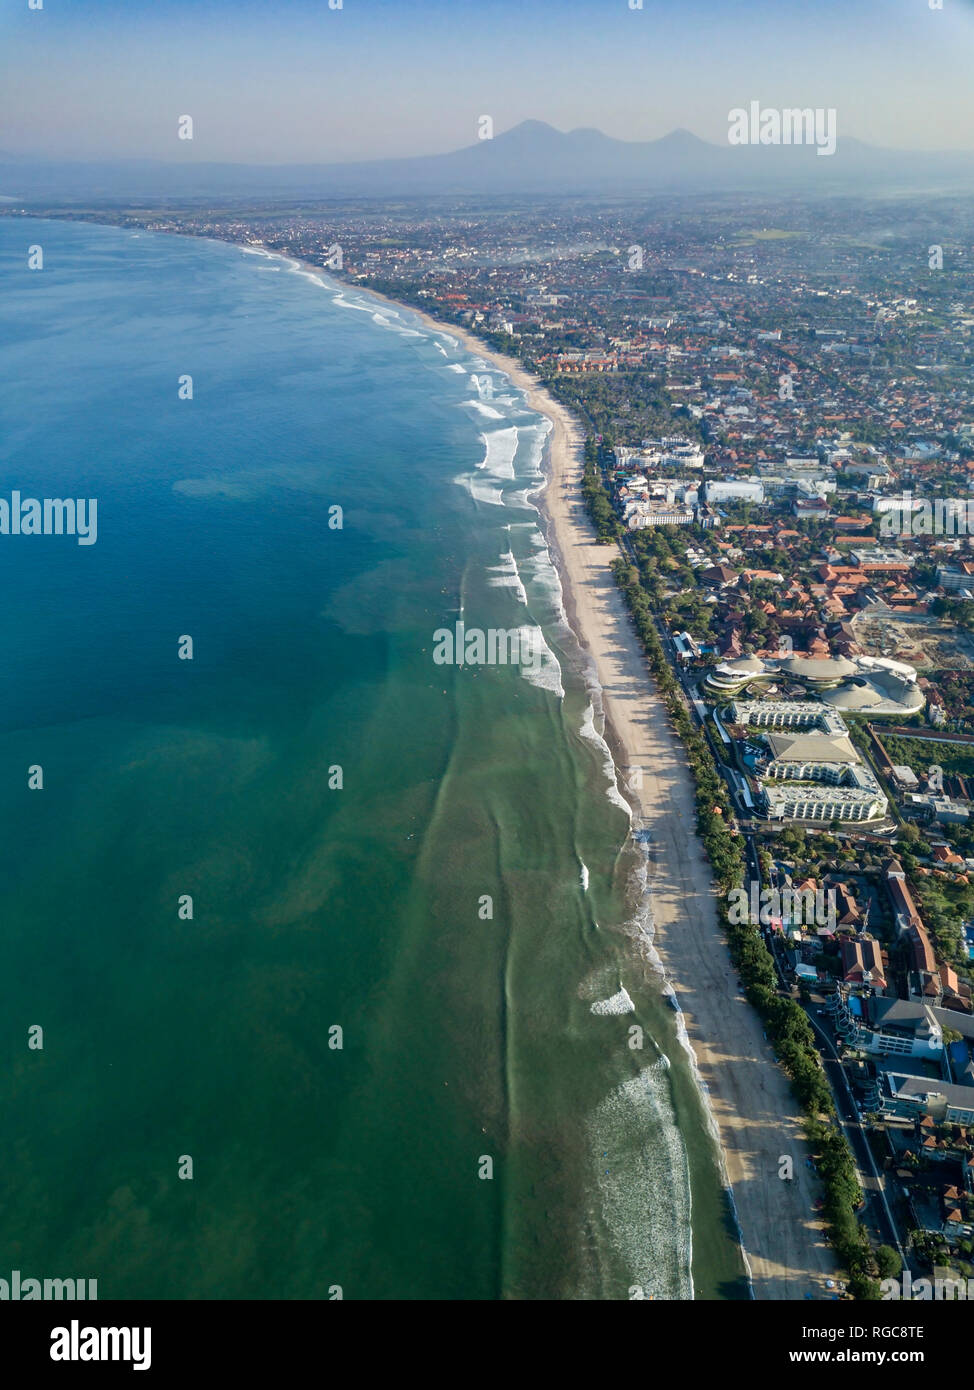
point(835, 783)
point(788, 714)
point(731, 490)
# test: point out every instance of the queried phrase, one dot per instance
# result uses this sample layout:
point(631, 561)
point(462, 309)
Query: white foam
point(341, 302)
point(589, 731)
point(643, 1179)
point(297, 269)
point(546, 674)
point(501, 446)
point(481, 489)
point(506, 576)
point(583, 875)
point(520, 499)
point(620, 1003)
point(481, 409)
point(529, 460)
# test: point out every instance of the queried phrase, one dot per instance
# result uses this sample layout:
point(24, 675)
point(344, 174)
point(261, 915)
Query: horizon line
point(8, 156)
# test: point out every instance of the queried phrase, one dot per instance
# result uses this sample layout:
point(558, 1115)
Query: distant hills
point(531, 158)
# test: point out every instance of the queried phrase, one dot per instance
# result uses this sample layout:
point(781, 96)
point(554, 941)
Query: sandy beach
point(756, 1116)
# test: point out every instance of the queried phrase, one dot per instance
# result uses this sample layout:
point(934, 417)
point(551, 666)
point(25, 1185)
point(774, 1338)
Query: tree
point(888, 1262)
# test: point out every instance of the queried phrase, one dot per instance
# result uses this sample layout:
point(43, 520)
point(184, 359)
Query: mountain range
point(531, 158)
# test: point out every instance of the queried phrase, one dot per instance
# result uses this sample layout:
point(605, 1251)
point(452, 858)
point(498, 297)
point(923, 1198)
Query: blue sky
point(293, 80)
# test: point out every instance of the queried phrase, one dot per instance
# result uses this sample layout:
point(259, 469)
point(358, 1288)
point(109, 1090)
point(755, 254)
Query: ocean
point(410, 1043)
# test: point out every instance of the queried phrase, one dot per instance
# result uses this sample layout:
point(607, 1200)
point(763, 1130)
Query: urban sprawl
point(778, 401)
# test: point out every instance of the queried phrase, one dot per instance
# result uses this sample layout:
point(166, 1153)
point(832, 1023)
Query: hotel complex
point(825, 776)
point(869, 685)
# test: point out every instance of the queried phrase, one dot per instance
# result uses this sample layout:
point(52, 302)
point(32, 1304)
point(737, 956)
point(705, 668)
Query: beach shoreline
point(756, 1118)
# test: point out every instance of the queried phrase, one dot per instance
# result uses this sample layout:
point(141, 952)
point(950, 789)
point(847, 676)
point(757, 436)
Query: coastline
point(749, 1097)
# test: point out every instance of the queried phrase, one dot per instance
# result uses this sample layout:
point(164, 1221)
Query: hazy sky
point(293, 80)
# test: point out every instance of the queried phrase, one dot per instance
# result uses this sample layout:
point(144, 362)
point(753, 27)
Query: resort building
point(730, 677)
point(834, 783)
point(887, 1027)
point(787, 714)
point(818, 804)
point(914, 1097)
point(879, 687)
point(639, 515)
point(870, 685)
point(733, 490)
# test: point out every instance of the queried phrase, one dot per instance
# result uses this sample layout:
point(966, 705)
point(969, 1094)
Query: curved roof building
point(877, 692)
point(869, 685)
point(818, 673)
point(731, 676)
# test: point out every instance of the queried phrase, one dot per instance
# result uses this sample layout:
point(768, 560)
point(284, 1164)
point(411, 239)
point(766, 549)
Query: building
point(889, 1027)
point(879, 686)
point(818, 673)
point(787, 714)
point(835, 785)
point(822, 804)
point(730, 677)
point(638, 515)
point(834, 782)
point(919, 1097)
point(862, 963)
point(956, 580)
point(732, 491)
point(940, 808)
point(905, 911)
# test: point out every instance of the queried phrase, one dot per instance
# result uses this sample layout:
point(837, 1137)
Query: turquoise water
point(468, 1034)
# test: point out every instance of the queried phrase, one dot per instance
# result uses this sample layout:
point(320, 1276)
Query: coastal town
point(487, 535)
point(778, 409)
point(781, 447)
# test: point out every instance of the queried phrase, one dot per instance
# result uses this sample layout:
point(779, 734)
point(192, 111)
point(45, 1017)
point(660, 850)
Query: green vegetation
point(944, 905)
point(921, 754)
point(785, 1021)
point(630, 404)
point(955, 610)
point(888, 1261)
point(607, 525)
